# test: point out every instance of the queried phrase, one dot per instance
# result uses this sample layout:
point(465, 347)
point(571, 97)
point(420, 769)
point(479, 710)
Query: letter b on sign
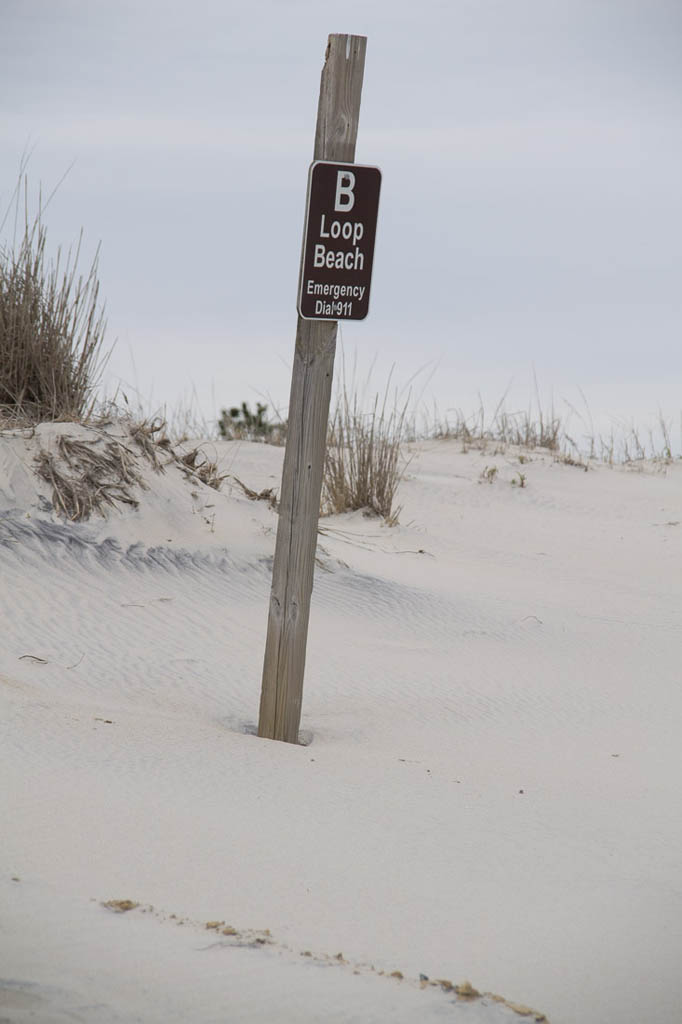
point(345, 197)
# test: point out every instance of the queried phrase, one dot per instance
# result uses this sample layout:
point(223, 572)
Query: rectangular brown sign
point(338, 242)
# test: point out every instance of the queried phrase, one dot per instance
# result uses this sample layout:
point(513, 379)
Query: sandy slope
point(493, 786)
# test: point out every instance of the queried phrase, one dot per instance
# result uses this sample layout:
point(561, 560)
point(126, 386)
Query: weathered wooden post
point(292, 578)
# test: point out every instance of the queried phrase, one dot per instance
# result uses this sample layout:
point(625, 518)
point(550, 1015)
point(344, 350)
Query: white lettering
point(337, 259)
point(338, 291)
point(337, 229)
point(345, 197)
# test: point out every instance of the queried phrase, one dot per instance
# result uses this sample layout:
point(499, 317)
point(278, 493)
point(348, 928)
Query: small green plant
point(521, 482)
point(240, 423)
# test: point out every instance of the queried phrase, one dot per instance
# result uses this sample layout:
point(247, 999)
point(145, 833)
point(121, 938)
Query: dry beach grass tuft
point(51, 329)
point(363, 466)
point(86, 476)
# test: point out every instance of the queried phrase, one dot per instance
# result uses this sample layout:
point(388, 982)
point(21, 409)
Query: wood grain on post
point(338, 114)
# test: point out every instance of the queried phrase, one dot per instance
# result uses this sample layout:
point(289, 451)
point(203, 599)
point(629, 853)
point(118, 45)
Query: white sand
point(493, 789)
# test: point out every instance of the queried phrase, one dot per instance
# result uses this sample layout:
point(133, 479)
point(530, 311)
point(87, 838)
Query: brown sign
point(338, 243)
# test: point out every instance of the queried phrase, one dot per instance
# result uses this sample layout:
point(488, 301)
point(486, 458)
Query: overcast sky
point(531, 209)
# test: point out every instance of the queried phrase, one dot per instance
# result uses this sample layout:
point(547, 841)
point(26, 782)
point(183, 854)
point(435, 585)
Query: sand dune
point(490, 790)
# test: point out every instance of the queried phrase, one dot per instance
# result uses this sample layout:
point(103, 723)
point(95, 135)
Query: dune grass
point(363, 462)
point(51, 329)
point(86, 476)
point(538, 428)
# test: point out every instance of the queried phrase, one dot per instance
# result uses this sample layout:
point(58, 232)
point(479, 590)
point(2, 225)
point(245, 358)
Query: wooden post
point(292, 577)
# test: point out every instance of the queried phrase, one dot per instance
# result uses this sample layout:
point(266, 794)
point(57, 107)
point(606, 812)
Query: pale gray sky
point(531, 209)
